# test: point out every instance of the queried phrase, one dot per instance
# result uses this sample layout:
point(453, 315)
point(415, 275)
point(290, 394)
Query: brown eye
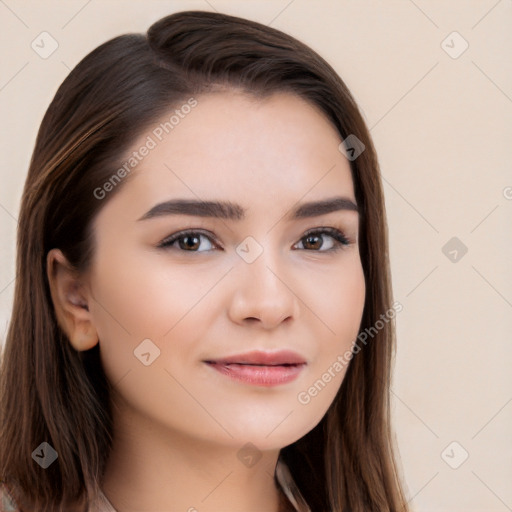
point(188, 241)
point(314, 241)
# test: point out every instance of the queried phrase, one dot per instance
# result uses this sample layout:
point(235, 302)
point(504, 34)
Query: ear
point(71, 301)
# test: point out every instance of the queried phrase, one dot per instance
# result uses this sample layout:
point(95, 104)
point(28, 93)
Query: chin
point(272, 432)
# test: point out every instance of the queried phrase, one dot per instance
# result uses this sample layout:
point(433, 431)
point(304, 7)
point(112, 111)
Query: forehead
point(234, 146)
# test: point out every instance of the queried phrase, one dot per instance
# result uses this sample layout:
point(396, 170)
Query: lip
point(260, 368)
point(260, 357)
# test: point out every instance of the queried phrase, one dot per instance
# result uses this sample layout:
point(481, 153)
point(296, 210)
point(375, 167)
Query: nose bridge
point(262, 290)
point(266, 258)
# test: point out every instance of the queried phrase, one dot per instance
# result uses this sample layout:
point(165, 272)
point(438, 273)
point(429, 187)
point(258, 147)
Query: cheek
point(139, 296)
point(340, 308)
point(136, 302)
point(136, 299)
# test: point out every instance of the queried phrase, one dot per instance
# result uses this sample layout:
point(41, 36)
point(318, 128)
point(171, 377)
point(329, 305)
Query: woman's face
point(168, 317)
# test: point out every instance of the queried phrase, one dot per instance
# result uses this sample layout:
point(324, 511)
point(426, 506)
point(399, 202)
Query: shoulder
point(6, 502)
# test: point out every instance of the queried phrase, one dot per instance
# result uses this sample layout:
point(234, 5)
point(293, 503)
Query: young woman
point(202, 236)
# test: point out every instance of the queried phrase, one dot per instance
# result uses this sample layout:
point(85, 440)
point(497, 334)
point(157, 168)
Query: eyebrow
point(232, 211)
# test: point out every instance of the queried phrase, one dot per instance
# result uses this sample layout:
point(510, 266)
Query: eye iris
point(187, 245)
point(314, 237)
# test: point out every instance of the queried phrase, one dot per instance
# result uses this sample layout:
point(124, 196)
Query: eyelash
point(341, 240)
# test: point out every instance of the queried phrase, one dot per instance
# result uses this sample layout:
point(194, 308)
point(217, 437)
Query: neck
point(153, 468)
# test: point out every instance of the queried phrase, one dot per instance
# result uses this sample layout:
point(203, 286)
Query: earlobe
point(84, 340)
point(70, 301)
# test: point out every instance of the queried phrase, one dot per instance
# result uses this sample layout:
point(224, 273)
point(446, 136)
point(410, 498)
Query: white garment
point(283, 476)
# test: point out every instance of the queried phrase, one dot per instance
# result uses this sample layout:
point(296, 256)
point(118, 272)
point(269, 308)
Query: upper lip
point(259, 357)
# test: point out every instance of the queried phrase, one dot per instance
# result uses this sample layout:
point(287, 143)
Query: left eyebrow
point(232, 211)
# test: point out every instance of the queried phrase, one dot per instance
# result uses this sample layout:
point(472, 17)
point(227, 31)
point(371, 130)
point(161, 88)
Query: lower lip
point(266, 376)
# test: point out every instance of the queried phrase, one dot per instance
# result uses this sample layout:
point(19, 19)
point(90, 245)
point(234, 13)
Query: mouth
point(260, 368)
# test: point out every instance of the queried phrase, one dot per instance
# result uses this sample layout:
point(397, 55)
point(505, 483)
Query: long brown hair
point(51, 393)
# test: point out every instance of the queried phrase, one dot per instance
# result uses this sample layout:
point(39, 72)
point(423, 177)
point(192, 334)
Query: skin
point(179, 424)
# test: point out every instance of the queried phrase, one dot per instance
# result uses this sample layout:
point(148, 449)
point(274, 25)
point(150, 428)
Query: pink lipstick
point(260, 368)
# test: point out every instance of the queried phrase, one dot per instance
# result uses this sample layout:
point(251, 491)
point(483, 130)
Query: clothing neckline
point(283, 476)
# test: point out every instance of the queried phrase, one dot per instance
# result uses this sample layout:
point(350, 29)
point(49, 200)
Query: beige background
point(443, 132)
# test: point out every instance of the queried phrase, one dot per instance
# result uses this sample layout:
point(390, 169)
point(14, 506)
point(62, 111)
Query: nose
point(263, 293)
